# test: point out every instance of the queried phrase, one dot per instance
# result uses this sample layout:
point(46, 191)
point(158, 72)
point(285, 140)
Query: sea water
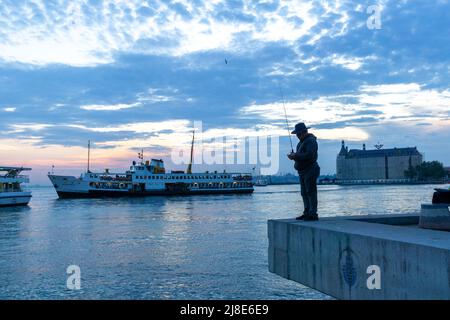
point(177, 247)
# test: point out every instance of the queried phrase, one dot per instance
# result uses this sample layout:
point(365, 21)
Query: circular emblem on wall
point(348, 265)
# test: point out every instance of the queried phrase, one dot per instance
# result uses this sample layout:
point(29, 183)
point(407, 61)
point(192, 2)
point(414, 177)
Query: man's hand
point(291, 155)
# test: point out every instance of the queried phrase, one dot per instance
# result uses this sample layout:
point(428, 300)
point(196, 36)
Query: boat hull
point(71, 187)
point(118, 194)
point(10, 199)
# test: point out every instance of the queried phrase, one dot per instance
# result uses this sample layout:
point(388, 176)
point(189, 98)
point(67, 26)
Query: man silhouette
point(308, 169)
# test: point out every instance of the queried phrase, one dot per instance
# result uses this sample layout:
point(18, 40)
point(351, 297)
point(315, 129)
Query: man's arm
point(309, 152)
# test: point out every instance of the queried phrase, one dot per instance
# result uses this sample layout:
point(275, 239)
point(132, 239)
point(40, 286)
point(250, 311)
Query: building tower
point(340, 162)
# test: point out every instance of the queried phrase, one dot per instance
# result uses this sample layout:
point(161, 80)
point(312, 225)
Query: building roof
point(14, 168)
point(394, 152)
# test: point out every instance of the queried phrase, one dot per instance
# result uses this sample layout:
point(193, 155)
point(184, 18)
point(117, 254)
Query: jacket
point(306, 155)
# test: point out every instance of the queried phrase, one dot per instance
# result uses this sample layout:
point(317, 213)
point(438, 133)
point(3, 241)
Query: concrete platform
point(435, 216)
point(363, 257)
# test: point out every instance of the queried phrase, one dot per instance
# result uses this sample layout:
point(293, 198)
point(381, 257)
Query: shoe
point(313, 217)
point(302, 217)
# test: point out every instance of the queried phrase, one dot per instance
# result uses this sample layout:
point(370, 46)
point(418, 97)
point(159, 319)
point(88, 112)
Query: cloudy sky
point(137, 74)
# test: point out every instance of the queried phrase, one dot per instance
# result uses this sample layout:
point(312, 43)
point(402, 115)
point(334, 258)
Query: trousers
point(308, 186)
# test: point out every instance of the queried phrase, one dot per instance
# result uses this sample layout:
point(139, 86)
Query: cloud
point(351, 63)
point(130, 74)
point(388, 102)
point(95, 107)
point(80, 33)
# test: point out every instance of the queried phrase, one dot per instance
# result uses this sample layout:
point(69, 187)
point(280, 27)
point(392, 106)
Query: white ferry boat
point(11, 193)
point(150, 178)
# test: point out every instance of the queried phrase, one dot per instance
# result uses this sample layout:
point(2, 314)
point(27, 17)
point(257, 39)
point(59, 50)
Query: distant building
point(447, 171)
point(376, 164)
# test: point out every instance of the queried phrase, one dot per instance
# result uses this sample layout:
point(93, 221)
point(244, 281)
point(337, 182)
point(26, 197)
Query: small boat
point(11, 192)
point(441, 196)
point(260, 182)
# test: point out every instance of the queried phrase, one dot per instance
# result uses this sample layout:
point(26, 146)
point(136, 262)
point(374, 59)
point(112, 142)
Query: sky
point(132, 75)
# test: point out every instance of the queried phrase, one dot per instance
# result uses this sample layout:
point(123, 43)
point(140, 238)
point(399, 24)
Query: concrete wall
point(414, 263)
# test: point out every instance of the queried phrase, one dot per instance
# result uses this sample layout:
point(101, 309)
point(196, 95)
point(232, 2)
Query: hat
point(299, 128)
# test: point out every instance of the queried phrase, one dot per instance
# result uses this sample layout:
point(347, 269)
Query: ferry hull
point(10, 199)
point(117, 194)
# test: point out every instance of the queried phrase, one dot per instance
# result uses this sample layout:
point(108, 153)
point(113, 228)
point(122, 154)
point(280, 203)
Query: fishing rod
point(285, 116)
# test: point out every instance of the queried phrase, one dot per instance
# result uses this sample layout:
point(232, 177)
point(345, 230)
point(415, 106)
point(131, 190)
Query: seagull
point(226, 62)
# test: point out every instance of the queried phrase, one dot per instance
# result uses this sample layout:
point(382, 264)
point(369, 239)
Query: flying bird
point(226, 61)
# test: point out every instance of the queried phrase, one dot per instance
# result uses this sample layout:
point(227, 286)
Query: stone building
point(377, 164)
